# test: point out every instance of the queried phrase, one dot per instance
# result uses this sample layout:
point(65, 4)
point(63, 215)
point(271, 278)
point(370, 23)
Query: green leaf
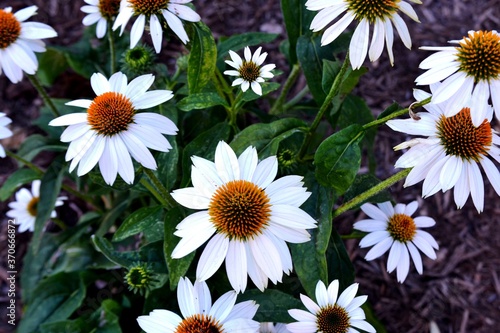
point(297, 22)
point(361, 184)
point(338, 158)
point(340, 265)
point(50, 187)
point(273, 305)
point(202, 58)
point(177, 268)
point(110, 217)
point(394, 107)
point(15, 180)
point(260, 135)
point(137, 222)
point(238, 42)
point(168, 165)
point(330, 71)
point(201, 101)
point(203, 146)
point(267, 87)
point(31, 146)
point(57, 297)
point(51, 64)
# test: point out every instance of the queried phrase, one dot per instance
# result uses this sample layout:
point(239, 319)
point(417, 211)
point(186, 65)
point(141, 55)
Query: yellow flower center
point(249, 71)
point(479, 55)
point(109, 8)
point(110, 113)
point(402, 228)
point(461, 138)
point(10, 29)
point(148, 7)
point(333, 319)
point(373, 10)
point(240, 209)
point(32, 206)
point(199, 323)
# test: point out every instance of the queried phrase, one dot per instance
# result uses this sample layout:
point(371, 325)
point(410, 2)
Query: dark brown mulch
point(460, 290)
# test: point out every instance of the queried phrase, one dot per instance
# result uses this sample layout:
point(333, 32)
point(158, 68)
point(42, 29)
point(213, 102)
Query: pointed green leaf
point(202, 58)
point(137, 222)
point(201, 101)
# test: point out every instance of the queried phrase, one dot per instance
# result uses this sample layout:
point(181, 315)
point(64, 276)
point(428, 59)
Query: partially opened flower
point(111, 130)
point(249, 70)
point(4, 131)
point(330, 312)
point(381, 14)
point(102, 12)
point(451, 152)
point(250, 216)
point(19, 40)
point(25, 208)
point(393, 228)
point(195, 303)
point(471, 66)
point(172, 11)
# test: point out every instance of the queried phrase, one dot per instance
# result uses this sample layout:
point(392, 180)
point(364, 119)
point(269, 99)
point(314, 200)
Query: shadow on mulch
point(460, 290)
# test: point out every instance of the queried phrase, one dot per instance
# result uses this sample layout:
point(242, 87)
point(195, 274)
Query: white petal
point(125, 167)
point(138, 150)
point(191, 198)
point(310, 304)
point(137, 30)
point(326, 16)
point(248, 163)
point(265, 172)
point(292, 217)
point(336, 29)
point(476, 186)
point(223, 306)
point(480, 96)
point(377, 44)
point(108, 163)
point(492, 173)
point(403, 266)
point(212, 257)
point(185, 297)
point(379, 249)
point(176, 25)
point(160, 123)
point(374, 212)
point(321, 294)
point(389, 40)
point(348, 295)
point(193, 240)
point(424, 221)
point(415, 255)
point(394, 254)
point(99, 84)
point(236, 265)
point(69, 119)
point(118, 82)
point(150, 137)
point(25, 13)
point(184, 12)
point(267, 257)
point(90, 159)
point(359, 44)
point(402, 30)
point(226, 162)
point(139, 85)
point(156, 32)
point(450, 173)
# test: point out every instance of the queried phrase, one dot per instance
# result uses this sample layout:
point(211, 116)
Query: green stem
point(371, 192)
point(82, 196)
point(27, 163)
point(233, 111)
point(159, 191)
point(59, 223)
point(296, 99)
point(278, 104)
point(396, 114)
point(334, 91)
point(38, 86)
point(221, 82)
point(112, 53)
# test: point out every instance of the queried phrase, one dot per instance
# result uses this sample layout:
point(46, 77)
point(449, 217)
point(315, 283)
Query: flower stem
point(22, 160)
point(297, 98)
point(396, 114)
point(371, 192)
point(112, 53)
point(334, 91)
point(278, 104)
point(38, 86)
point(158, 190)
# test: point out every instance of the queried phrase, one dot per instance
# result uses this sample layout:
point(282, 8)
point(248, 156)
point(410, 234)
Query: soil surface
point(460, 291)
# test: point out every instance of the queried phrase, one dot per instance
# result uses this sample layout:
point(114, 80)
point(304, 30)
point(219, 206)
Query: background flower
point(100, 11)
point(4, 131)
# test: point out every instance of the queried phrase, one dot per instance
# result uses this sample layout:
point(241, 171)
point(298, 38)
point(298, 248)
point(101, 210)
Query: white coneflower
point(393, 228)
point(4, 131)
point(250, 216)
point(111, 130)
point(19, 40)
point(101, 12)
point(381, 14)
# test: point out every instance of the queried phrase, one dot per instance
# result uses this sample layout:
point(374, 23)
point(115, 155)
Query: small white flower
point(24, 209)
point(381, 14)
point(155, 10)
point(394, 228)
point(249, 71)
point(250, 216)
point(452, 151)
point(102, 12)
point(200, 315)
point(19, 41)
point(470, 67)
point(330, 312)
point(4, 131)
point(272, 328)
point(111, 130)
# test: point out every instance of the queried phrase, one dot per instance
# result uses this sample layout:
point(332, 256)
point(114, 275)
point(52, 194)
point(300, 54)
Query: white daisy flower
point(250, 216)
point(381, 14)
point(451, 154)
point(272, 328)
point(394, 228)
point(24, 209)
point(111, 130)
point(155, 10)
point(248, 71)
point(330, 313)
point(470, 67)
point(4, 131)
point(200, 315)
point(100, 12)
point(19, 41)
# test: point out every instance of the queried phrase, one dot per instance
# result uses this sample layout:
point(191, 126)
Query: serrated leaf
point(17, 179)
point(273, 305)
point(201, 101)
point(338, 158)
point(137, 222)
point(202, 58)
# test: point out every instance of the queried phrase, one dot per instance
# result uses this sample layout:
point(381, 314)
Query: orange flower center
point(240, 209)
point(461, 138)
point(110, 113)
point(333, 319)
point(249, 71)
point(402, 228)
point(10, 29)
point(32, 206)
point(109, 8)
point(199, 323)
point(148, 7)
point(479, 55)
point(373, 10)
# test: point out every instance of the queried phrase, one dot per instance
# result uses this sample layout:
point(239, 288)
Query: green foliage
point(17, 179)
point(273, 305)
point(202, 58)
point(137, 222)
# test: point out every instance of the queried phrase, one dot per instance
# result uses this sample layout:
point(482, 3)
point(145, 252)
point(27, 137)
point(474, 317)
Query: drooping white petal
point(212, 257)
